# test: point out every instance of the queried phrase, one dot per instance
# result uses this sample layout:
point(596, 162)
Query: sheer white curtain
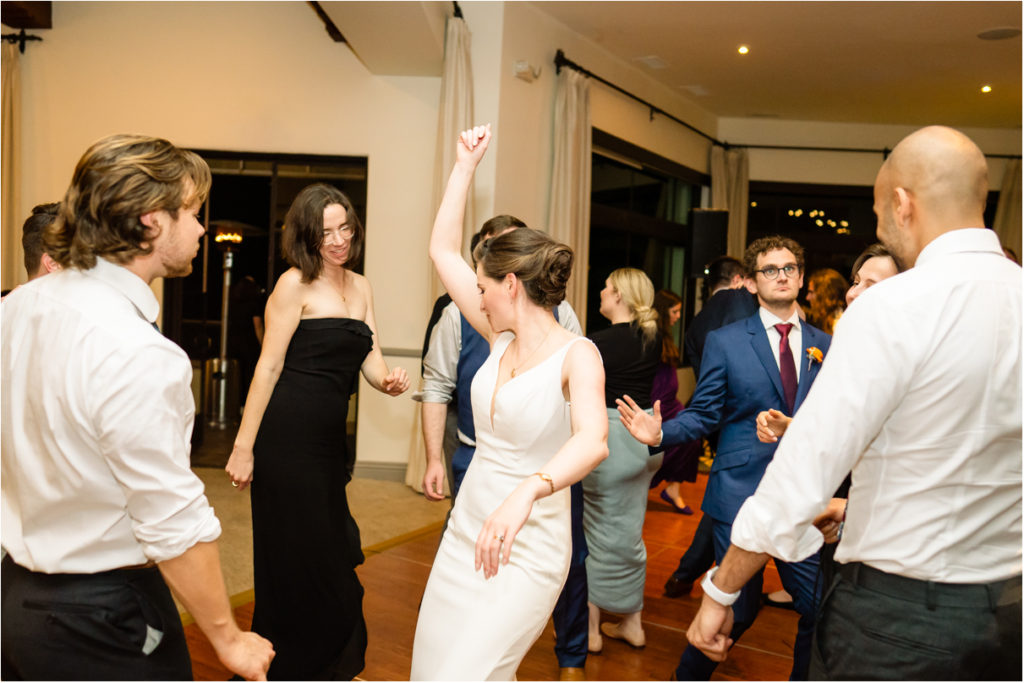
point(1008, 219)
point(455, 114)
point(10, 245)
point(730, 190)
point(569, 211)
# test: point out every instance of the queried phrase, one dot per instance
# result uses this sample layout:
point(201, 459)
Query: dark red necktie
point(787, 367)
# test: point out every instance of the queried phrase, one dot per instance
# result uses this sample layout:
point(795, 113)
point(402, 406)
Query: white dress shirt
point(796, 336)
point(96, 426)
point(920, 396)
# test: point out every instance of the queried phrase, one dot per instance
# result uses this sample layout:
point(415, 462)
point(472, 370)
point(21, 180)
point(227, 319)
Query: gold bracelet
point(547, 478)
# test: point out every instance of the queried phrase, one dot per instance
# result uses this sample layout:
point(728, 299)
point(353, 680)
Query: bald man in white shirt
point(100, 510)
point(921, 397)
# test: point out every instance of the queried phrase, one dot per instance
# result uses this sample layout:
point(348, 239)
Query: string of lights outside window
point(817, 216)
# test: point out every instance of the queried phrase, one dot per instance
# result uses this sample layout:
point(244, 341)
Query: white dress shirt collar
point(129, 284)
point(960, 241)
point(770, 320)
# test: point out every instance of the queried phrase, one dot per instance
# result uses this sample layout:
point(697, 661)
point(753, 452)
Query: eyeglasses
point(772, 272)
point(345, 232)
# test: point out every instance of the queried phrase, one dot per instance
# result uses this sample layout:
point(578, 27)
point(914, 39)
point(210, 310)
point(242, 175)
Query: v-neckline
point(497, 388)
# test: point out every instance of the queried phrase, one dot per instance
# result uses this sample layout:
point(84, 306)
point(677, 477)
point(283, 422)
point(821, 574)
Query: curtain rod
point(20, 39)
point(561, 60)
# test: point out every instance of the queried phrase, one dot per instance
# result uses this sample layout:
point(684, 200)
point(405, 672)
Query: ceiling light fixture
point(986, 88)
point(743, 49)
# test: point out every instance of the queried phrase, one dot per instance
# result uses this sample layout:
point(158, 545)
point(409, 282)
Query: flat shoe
point(685, 510)
point(612, 631)
point(775, 603)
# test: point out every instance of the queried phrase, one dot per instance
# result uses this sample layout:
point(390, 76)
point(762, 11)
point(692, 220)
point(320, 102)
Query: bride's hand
point(494, 544)
point(472, 144)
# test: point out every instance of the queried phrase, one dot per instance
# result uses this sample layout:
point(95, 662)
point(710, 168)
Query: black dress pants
point(116, 625)
point(880, 626)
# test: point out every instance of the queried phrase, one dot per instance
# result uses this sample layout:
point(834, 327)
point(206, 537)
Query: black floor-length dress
point(305, 542)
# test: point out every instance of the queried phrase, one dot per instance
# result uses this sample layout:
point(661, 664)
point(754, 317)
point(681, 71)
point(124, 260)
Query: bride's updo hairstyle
point(541, 264)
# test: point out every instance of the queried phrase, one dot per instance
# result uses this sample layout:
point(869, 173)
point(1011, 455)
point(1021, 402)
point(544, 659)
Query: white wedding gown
point(475, 629)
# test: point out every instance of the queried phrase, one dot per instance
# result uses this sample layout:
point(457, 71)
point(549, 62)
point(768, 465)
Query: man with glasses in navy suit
point(770, 358)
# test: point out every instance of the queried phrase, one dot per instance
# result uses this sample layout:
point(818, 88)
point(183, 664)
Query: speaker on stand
point(709, 239)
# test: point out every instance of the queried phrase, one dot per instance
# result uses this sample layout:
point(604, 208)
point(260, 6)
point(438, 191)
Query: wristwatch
point(715, 593)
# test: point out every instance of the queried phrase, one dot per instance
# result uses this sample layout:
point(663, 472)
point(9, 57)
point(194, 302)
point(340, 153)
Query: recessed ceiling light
point(652, 62)
point(698, 90)
point(1001, 33)
point(743, 49)
point(986, 88)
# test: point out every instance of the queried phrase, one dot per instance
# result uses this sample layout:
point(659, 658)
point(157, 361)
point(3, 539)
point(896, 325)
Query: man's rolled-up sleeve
point(441, 362)
point(144, 419)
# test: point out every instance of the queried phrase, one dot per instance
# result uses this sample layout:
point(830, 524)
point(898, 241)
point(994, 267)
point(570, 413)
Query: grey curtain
point(569, 210)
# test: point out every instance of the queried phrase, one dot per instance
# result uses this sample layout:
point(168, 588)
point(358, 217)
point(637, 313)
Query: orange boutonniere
point(814, 355)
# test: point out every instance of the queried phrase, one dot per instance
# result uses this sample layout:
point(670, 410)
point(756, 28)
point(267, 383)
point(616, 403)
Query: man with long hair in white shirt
point(100, 510)
point(921, 397)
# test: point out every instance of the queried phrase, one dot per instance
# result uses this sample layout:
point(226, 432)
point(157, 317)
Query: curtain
point(1008, 219)
point(10, 232)
point(569, 210)
point(455, 114)
point(730, 190)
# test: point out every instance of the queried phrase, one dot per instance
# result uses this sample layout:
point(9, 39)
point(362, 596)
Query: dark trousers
point(875, 625)
point(570, 615)
point(699, 557)
point(115, 625)
point(798, 578)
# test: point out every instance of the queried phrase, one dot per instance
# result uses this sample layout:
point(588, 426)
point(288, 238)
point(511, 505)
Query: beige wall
point(261, 76)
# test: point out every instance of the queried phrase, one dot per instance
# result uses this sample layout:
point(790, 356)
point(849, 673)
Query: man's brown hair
point(117, 180)
point(770, 243)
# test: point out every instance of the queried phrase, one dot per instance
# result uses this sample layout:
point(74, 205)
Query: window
point(639, 218)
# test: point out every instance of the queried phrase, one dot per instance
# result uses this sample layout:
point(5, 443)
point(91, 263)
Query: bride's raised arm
point(446, 237)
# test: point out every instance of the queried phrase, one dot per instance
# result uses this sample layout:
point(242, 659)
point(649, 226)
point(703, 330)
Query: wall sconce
point(523, 70)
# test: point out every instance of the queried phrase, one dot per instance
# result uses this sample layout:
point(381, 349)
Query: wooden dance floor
point(396, 572)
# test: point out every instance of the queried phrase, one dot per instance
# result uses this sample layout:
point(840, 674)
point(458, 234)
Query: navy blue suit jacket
point(739, 378)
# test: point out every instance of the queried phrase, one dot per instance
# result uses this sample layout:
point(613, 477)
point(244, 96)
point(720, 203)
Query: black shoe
point(675, 588)
point(775, 603)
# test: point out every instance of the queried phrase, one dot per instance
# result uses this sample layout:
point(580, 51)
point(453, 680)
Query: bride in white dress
point(541, 425)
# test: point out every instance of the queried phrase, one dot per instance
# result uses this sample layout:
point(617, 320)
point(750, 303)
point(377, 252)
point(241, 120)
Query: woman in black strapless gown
point(319, 336)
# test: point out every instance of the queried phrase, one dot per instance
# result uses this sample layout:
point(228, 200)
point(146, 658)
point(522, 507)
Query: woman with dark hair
point(826, 293)
point(291, 446)
point(680, 462)
point(540, 426)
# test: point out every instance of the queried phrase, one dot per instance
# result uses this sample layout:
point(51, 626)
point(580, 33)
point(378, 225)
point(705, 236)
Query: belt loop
point(929, 592)
point(993, 591)
point(855, 578)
